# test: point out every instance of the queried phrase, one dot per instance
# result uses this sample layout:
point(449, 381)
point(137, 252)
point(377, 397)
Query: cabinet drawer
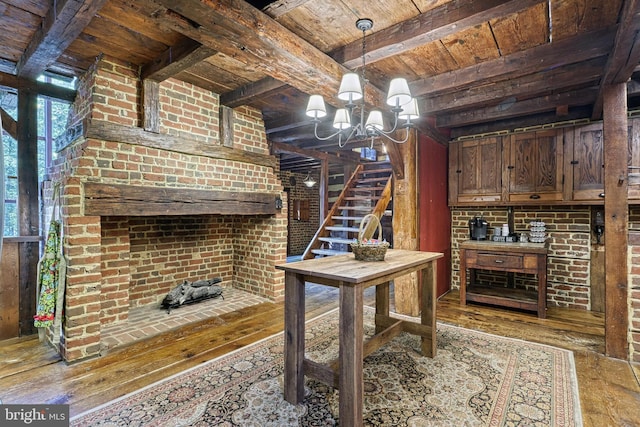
point(499, 260)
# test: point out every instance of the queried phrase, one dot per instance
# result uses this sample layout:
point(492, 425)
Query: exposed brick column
point(81, 332)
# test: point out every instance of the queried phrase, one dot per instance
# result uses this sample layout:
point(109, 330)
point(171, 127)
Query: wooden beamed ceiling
point(474, 66)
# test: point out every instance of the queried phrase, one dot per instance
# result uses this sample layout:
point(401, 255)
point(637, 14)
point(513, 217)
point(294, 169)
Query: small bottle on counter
point(505, 229)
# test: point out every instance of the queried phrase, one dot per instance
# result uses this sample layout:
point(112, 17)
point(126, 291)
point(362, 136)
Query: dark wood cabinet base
point(527, 258)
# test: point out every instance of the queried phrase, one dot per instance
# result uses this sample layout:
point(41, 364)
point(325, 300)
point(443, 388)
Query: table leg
point(542, 286)
point(382, 303)
point(428, 309)
point(350, 356)
point(293, 338)
point(463, 278)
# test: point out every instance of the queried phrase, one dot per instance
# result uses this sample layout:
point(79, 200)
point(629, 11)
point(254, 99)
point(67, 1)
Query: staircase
point(368, 191)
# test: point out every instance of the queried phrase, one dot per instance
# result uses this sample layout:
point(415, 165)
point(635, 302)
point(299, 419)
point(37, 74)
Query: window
point(52, 122)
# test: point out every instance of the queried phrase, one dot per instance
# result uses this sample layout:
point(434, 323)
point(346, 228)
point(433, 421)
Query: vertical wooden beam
point(226, 126)
point(151, 107)
point(28, 202)
point(616, 224)
point(405, 225)
point(324, 189)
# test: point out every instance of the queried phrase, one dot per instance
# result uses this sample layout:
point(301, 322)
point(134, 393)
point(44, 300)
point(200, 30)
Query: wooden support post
point(28, 215)
point(405, 227)
point(324, 189)
point(616, 224)
point(151, 105)
point(226, 126)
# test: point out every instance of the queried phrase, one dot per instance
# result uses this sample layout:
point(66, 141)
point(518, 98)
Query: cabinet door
point(535, 169)
point(475, 171)
point(587, 166)
point(634, 159)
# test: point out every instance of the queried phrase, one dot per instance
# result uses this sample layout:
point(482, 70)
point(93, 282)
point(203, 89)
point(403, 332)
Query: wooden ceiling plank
point(281, 7)
point(60, 27)
point(432, 25)
point(175, 60)
point(567, 51)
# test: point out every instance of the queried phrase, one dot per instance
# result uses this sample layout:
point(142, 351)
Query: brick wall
point(116, 263)
point(634, 283)
point(568, 228)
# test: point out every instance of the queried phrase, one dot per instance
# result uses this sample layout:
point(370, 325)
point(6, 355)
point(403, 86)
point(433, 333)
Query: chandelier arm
point(342, 144)
point(397, 141)
point(325, 138)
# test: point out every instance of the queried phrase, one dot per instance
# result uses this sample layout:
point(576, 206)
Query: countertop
point(488, 245)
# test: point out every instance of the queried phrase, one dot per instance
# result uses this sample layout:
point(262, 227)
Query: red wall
point(433, 211)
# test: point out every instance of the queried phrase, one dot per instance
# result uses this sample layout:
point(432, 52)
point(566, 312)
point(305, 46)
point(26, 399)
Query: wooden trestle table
point(352, 277)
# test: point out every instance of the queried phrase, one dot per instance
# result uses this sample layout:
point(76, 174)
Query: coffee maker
point(478, 228)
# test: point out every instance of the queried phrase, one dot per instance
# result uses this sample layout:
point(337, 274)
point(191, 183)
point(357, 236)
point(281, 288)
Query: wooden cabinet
point(522, 258)
point(535, 167)
point(634, 159)
point(585, 163)
point(543, 167)
point(475, 171)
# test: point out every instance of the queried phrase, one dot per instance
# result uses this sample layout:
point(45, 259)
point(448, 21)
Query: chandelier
point(403, 106)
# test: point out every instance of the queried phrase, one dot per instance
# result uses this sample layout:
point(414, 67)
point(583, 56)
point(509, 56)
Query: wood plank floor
point(32, 373)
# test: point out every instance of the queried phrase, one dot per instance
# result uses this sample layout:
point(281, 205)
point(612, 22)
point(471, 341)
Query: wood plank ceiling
point(475, 66)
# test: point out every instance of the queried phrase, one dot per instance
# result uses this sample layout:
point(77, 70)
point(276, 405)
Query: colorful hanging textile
point(48, 278)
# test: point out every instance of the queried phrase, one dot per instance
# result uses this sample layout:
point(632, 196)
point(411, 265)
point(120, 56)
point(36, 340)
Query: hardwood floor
point(32, 373)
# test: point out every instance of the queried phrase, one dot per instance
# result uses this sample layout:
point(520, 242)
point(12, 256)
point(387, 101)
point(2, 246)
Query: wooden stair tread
point(354, 189)
point(376, 170)
point(362, 198)
point(357, 208)
point(342, 228)
point(347, 218)
point(340, 240)
point(328, 252)
point(373, 179)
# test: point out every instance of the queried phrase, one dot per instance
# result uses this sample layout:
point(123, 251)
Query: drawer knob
point(499, 261)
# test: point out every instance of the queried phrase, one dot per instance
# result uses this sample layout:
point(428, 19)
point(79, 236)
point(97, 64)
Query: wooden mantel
point(129, 200)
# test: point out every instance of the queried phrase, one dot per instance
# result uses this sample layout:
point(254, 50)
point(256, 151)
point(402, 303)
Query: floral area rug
point(476, 379)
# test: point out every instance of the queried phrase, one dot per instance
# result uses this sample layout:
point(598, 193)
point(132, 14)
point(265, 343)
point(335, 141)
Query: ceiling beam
point(625, 55)
point(427, 27)
point(176, 59)
point(515, 108)
point(523, 123)
point(241, 31)
point(537, 59)
point(341, 157)
point(63, 23)
point(528, 86)
point(244, 94)
point(41, 88)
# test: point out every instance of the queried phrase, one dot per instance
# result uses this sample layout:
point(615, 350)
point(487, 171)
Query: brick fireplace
point(143, 211)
